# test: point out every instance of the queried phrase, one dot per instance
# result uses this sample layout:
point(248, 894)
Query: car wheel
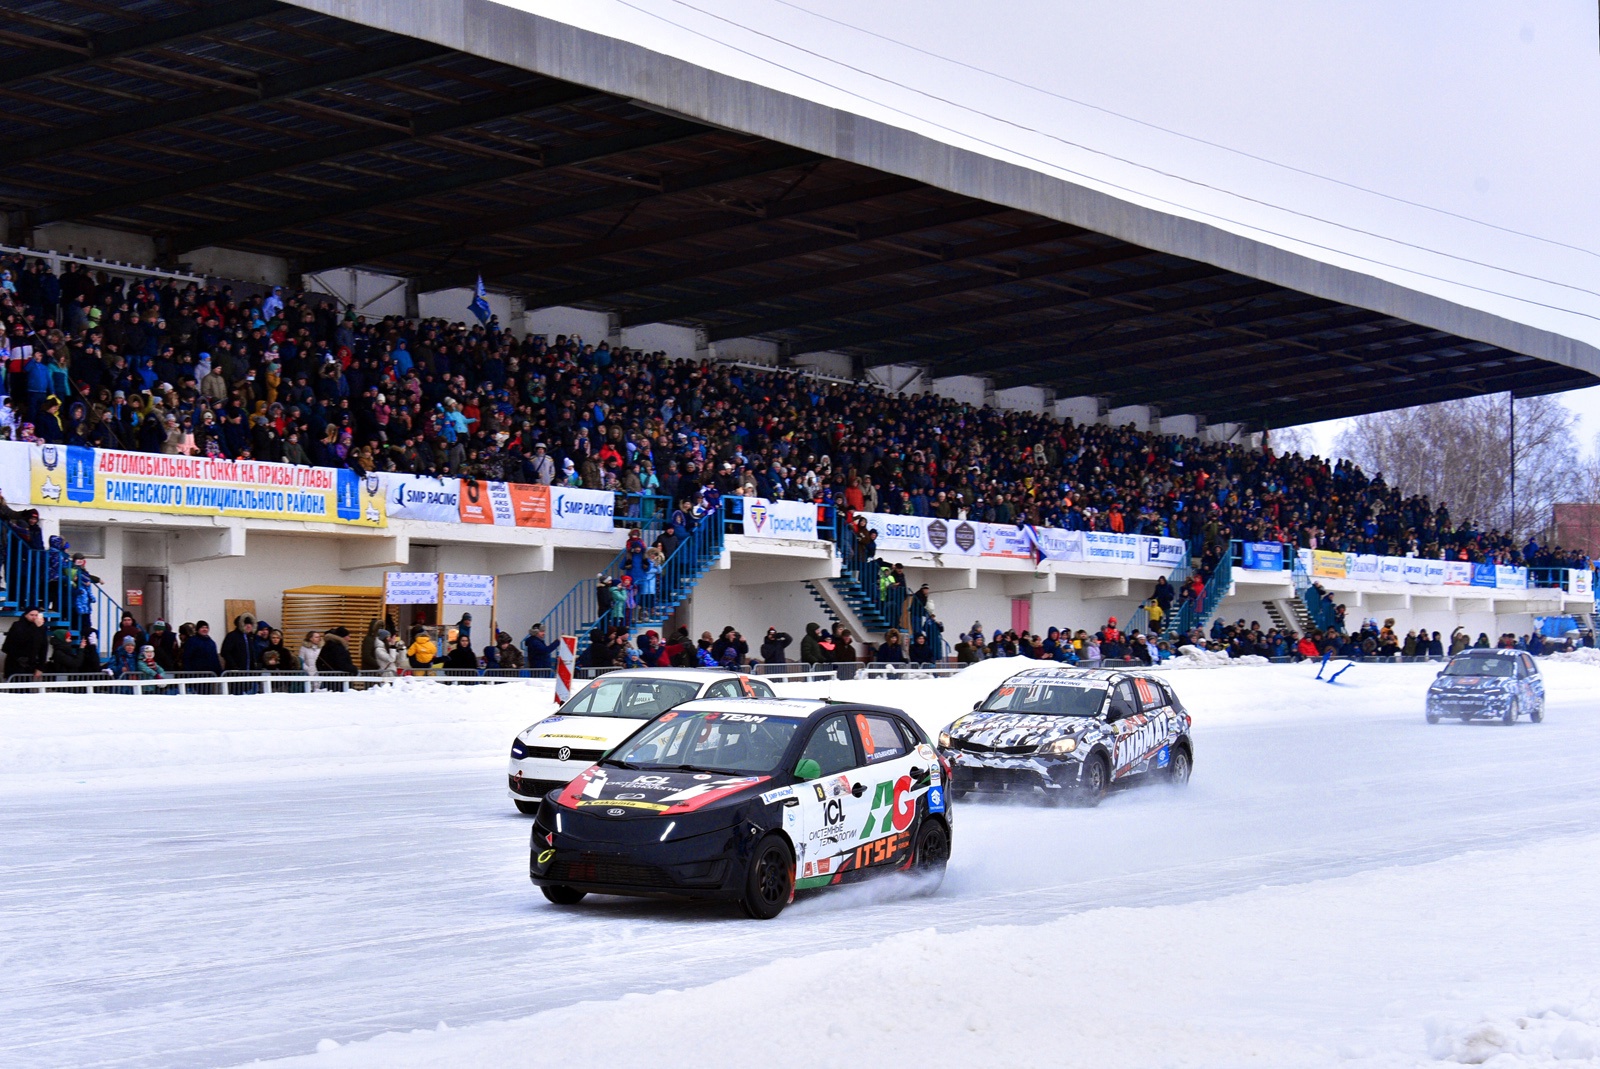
point(1537, 716)
point(564, 896)
point(1433, 718)
point(769, 882)
point(1179, 765)
point(1510, 715)
point(529, 808)
point(1093, 781)
point(933, 852)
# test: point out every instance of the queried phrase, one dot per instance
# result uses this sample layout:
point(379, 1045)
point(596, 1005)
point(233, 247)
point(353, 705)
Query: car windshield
point(631, 697)
point(1481, 666)
point(1048, 698)
point(711, 742)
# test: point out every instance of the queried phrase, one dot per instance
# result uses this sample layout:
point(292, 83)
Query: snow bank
point(1281, 977)
point(1195, 657)
point(1582, 655)
point(124, 740)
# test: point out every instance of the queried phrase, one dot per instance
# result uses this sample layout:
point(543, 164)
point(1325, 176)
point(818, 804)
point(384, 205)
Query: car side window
point(831, 747)
point(726, 689)
point(761, 689)
point(1529, 669)
point(880, 738)
point(1123, 702)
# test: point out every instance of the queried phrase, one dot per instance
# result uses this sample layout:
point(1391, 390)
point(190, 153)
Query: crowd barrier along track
point(203, 684)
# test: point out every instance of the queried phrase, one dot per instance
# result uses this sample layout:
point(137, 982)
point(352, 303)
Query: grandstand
point(654, 202)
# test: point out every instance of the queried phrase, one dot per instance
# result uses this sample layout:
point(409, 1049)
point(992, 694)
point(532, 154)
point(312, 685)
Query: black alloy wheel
point(770, 880)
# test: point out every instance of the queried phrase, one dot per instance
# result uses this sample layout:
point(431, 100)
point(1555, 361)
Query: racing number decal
point(1147, 693)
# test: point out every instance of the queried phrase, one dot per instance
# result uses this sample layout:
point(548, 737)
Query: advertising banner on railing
point(1005, 540)
point(960, 537)
point(1327, 565)
point(779, 519)
point(505, 504)
point(1263, 556)
point(1457, 573)
point(1389, 570)
point(573, 509)
point(1483, 575)
point(1057, 544)
point(419, 497)
point(1105, 547)
point(81, 477)
point(1361, 566)
point(1433, 572)
point(905, 533)
point(1411, 569)
point(1580, 581)
point(1507, 577)
point(1164, 552)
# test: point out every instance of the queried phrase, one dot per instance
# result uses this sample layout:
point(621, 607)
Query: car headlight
point(944, 740)
point(1059, 746)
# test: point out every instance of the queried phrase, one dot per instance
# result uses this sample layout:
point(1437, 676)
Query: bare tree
point(1459, 453)
point(1286, 440)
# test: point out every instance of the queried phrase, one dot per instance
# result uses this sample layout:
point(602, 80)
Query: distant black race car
point(1070, 733)
point(1487, 685)
point(749, 801)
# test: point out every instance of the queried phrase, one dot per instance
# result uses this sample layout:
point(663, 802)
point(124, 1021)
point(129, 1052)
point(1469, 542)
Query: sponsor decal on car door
point(885, 836)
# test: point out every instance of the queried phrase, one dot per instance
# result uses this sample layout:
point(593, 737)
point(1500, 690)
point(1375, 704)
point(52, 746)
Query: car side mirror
point(977, 704)
point(808, 770)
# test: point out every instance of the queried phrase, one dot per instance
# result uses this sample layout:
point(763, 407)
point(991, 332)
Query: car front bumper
point(710, 865)
point(531, 779)
point(1468, 704)
point(1013, 774)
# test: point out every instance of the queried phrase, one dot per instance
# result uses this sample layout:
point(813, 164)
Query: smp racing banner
point(81, 477)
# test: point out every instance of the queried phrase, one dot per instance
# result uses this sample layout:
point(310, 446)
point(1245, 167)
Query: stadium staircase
point(828, 611)
point(578, 613)
point(857, 592)
point(1289, 614)
point(31, 579)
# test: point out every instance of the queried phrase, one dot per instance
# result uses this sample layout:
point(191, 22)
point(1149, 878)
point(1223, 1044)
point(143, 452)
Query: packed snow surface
point(340, 880)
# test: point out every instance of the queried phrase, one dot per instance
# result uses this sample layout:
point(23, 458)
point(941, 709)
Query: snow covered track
point(172, 894)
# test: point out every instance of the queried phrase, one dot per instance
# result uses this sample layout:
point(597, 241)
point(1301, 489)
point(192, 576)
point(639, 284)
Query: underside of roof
point(268, 128)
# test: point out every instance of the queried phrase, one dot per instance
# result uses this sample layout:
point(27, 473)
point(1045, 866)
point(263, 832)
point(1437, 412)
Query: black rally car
point(748, 801)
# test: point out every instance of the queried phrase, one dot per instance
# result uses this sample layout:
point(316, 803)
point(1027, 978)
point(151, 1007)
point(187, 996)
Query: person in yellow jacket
point(422, 652)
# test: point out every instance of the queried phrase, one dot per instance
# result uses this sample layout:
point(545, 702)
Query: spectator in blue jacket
point(200, 651)
point(538, 650)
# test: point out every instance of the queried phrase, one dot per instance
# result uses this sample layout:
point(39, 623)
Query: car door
point(1140, 728)
point(888, 757)
point(1532, 684)
point(831, 813)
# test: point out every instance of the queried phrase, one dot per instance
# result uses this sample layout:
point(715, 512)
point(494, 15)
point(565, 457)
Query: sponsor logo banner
point(463, 589)
point(1263, 556)
point(898, 532)
point(1457, 573)
point(1328, 565)
point(1580, 581)
point(1389, 570)
point(411, 588)
point(1362, 566)
point(1483, 575)
point(1114, 548)
point(1433, 572)
point(417, 497)
point(779, 519)
point(1411, 569)
point(81, 477)
point(1057, 544)
point(1508, 578)
point(1167, 552)
point(1004, 540)
point(573, 509)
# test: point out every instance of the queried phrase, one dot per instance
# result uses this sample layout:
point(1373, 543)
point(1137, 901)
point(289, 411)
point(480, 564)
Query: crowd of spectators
point(155, 366)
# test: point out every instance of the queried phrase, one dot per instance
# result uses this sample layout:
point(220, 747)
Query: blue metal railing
point(651, 595)
point(1192, 614)
point(47, 580)
point(863, 583)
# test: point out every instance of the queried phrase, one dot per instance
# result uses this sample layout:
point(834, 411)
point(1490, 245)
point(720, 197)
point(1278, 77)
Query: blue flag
point(480, 303)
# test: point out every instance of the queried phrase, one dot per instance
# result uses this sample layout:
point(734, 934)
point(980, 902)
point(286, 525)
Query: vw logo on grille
point(563, 754)
point(616, 812)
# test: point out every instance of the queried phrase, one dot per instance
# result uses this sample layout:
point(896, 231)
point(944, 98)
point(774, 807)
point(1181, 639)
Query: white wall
point(244, 266)
point(1189, 426)
point(677, 342)
point(1023, 399)
point(966, 389)
point(1084, 411)
point(373, 295)
point(96, 241)
point(1138, 415)
point(836, 364)
point(592, 327)
point(750, 351)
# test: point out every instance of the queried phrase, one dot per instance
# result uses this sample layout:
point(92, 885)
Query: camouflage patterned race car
point(749, 801)
point(1071, 734)
point(1487, 685)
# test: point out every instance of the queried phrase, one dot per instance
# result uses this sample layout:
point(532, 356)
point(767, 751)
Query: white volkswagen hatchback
point(550, 752)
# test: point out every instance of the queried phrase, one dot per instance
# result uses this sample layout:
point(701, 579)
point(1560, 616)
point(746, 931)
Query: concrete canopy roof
point(759, 170)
